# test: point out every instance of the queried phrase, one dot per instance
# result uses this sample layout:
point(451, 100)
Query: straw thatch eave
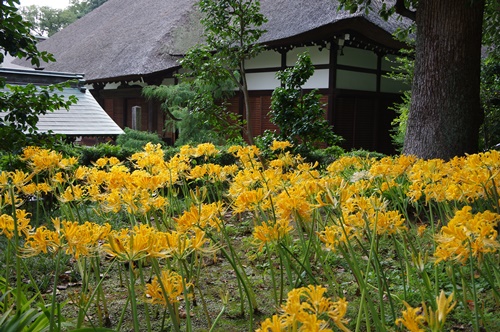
point(127, 40)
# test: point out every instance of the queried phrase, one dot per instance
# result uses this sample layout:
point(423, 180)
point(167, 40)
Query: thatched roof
point(127, 39)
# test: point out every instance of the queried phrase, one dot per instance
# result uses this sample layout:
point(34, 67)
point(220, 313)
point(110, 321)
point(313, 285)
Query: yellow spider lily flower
point(412, 319)
point(308, 309)
point(467, 235)
point(130, 245)
point(166, 289)
point(7, 224)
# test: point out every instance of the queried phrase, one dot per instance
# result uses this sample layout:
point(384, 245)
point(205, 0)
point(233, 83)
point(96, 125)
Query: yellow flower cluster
point(166, 289)
point(352, 198)
point(464, 179)
point(308, 309)
point(145, 241)
point(7, 226)
point(467, 235)
point(266, 233)
point(76, 239)
point(415, 319)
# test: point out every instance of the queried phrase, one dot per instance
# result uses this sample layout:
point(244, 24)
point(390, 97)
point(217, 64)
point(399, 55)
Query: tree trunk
point(246, 100)
point(445, 112)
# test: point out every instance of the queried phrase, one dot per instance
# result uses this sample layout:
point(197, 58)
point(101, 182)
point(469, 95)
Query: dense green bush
point(325, 156)
point(195, 128)
point(300, 116)
point(365, 154)
point(135, 139)
point(91, 153)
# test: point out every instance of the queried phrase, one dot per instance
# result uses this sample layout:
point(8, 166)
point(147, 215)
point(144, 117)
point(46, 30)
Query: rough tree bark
point(445, 111)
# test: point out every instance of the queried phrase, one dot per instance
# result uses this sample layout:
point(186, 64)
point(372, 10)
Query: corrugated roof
point(85, 118)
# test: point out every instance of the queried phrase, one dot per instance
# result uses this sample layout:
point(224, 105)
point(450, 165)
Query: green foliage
point(400, 121)
point(265, 141)
point(193, 128)
point(365, 154)
point(403, 72)
point(135, 140)
point(87, 5)
point(324, 157)
point(386, 9)
point(232, 28)
point(24, 318)
point(490, 100)
point(298, 115)
point(491, 28)
point(46, 20)
point(24, 105)
point(92, 153)
point(16, 38)
point(9, 162)
point(231, 31)
point(195, 111)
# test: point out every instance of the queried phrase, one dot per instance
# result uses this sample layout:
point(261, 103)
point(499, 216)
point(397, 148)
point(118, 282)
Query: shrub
point(135, 139)
point(92, 153)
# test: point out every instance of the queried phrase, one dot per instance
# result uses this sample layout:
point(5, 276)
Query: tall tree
point(445, 113)
point(23, 104)
point(231, 30)
point(299, 115)
point(46, 20)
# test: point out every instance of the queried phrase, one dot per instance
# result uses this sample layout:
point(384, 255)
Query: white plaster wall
point(319, 80)
point(357, 58)
point(268, 81)
point(113, 86)
point(262, 81)
point(318, 57)
point(266, 59)
point(392, 86)
point(356, 80)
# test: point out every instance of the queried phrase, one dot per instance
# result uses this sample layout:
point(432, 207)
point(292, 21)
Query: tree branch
point(403, 11)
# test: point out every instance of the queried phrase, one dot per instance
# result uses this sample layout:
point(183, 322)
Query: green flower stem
point(364, 289)
point(273, 276)
point(174, 314)
point(304, 268)
point(242, 278)
point(202, 297)
point(122, 315)
point(83, 312)
point(240, 273)
point(54, 292)
point(217, 318)
point(146, 306)
point(133, 302)
point(16, 246)
point(433, 229)
point(474, 293)
point(406, 281)
point(185, 275)
point(85, 284)
point(282, 280)
point(492, 277)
